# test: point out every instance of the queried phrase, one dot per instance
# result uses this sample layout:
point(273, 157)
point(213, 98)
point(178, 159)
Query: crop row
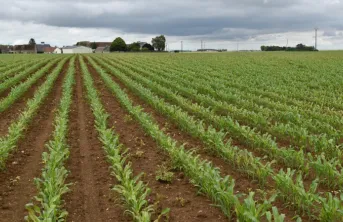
point(299, 193)
point(325, 169)
point(17, 128)
point(11, 69)
point(250, 101)
point(17, 91)
point(273, 111)
point(48, 205)
point(298, 84)
point(133, 191)
point(206, 177)
point(20, 76)
point(298, 136)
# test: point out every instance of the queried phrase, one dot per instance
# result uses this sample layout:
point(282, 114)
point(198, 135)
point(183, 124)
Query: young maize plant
point(133, 191)
point(332, 209)
point(248, 209)
point(51, 186)
point(16, 129)
point(203, 175)
point(20, 89)
point(294, 192)
point(245, 166)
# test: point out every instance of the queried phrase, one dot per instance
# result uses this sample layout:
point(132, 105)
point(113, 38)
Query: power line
point(316, 36)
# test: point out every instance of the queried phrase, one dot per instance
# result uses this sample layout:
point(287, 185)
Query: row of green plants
point(48, 204)
point(245, 135)
point(202, 173)
point(25, 73)
point(306, 85)
point(132, 190)
point(20, 89)
point(249, 165)
point(17, 129)
point(295, 133)
point(249, 101)
point(290, 118)
point(11, 69)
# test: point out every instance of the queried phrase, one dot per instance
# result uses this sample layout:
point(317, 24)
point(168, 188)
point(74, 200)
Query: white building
point(73, 50)
point(57, 51)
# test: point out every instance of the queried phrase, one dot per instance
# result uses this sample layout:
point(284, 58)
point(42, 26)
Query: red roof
point(49, 49)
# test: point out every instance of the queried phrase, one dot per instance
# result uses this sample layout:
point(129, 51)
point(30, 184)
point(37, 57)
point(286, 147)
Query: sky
point(224, 24)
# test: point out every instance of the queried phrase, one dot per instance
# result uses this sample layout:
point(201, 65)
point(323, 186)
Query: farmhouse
point(141, 44)
point(41, 47)
point(102, 49)
point(75, 50)
point(57, 51)
point(6, 49)
point(49, 50)
point(25, 49)
point(103, 44)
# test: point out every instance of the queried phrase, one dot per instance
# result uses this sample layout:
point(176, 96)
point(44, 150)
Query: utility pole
point(201, 45)
point(287, 43)
point(315, 36)
point(237, 46)
point(181, 46)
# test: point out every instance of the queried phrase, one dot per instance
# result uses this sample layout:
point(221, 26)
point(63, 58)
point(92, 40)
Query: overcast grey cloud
point(221, 23)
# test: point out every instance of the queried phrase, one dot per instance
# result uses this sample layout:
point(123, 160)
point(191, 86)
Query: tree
point(300, 47)
point(134, 47)
point(83, 43)
point(159, 42)
point(147, 47)
point(93, 45)
point(118, 45)
point(32, 41)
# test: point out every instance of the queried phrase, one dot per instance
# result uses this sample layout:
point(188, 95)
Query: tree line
point(158, 44)
point(299, 47)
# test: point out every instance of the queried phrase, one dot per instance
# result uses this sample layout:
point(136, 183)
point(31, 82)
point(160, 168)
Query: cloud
point(215, 20)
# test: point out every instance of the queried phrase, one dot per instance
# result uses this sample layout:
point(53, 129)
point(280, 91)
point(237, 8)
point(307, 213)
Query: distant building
point(49, 50)
point(75, 50)
point(25, 49)
point(102, 49)
point(57, 51)
point(141, 44)
point(5, 49)
point(41, 47)
point(102, 44)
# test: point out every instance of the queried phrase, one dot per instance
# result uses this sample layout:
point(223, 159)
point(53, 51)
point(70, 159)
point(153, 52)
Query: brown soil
point(16, 182)
point(243, 184)
point(91, 198)
point(196, 207)
point(12, 113)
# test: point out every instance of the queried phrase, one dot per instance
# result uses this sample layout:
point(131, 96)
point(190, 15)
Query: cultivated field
point(171, 137)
